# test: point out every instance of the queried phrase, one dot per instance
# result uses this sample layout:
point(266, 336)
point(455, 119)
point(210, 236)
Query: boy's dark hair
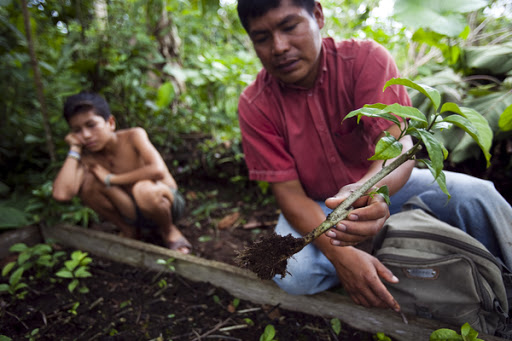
point(248, 9)
point(86, 101)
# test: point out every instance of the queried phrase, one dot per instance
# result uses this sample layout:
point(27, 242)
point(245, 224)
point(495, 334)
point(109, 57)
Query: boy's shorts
point(177, 210)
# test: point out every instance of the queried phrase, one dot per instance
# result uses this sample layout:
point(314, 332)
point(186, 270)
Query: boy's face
point(287, 40)
point(92, 130)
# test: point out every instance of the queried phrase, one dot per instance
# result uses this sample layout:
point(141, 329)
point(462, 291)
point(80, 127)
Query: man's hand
point(360, 273)
point(364, 222)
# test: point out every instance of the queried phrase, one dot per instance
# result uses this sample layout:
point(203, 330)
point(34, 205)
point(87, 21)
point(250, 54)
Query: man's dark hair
point(86, 101)
point(249, 9)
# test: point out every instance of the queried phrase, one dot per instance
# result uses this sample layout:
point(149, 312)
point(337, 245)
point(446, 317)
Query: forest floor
point(127, 303)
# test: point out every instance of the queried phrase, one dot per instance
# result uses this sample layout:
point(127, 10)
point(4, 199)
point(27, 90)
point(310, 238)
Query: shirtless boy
point(119, 174)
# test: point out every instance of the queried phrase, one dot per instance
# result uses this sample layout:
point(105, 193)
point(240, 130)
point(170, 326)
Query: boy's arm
point(154, 166)
point(70, 177)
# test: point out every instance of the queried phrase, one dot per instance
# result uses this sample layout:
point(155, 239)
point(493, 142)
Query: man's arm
point(358, 271)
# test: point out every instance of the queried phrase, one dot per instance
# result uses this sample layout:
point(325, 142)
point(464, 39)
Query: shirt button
point(310, 94)
point(332, 159)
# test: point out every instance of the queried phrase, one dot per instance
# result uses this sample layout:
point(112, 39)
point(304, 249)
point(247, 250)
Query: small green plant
point(39, 258)
point(73, 308)
point(336, 326)
point(5, 338)
point(268, 334)
point(75, 269)
point(33, 335)
point(381, 337)
point(445, 334)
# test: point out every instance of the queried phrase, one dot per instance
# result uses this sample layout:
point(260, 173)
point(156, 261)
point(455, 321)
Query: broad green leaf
point(4, 288)
point(484, 134)
point(387, 148)
point(18, 247)
point(428, 91)
point(71, 264)
point(372, 112)
point(505, 122)
point(445, 334)
point(406, 112)
point(165, 95)
point(441, 179)
point(434, 149)
point(384, 191)
point(463, 123)
point(23, 257)
point(12, 217)
point(268, 334)
point(444, 17)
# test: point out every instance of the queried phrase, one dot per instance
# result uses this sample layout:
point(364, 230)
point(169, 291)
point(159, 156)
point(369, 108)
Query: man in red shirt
point(290, 119)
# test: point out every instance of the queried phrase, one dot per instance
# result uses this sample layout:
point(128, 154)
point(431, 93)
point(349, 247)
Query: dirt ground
point(127, 303)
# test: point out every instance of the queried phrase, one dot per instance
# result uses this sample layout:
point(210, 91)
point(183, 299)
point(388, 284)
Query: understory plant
point(75, 269)
point(467, 333)
point(268, 256)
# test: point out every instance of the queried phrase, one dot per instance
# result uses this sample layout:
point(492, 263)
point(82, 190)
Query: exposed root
point(268, 256)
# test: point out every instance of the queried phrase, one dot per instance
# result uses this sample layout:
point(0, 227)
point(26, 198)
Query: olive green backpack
point(445, 274)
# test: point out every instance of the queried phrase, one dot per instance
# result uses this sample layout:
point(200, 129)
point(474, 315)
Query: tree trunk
point(38, 83)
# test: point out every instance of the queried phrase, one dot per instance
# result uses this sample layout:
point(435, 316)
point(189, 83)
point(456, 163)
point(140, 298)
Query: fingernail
point(331, 233)
point(335, 242)
point(353, 217)
point(341, 227)
point(394, 279)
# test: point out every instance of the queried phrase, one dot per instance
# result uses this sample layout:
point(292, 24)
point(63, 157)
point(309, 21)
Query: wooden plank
point(29, 235)
point(244, 284)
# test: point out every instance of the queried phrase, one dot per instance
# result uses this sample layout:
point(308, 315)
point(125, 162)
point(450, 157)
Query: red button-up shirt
point(291, 133)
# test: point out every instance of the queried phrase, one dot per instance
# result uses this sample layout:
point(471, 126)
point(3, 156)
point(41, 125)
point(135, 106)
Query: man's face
point(287, 40)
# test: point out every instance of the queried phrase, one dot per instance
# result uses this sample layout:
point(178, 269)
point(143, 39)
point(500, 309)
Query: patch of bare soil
point(128, 303)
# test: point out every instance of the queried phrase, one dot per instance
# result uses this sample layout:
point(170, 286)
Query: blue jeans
point(475, 207)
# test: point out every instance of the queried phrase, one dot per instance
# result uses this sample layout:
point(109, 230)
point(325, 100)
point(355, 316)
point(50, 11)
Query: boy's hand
point(72, 140)
point(100, 172)
point(365, 221)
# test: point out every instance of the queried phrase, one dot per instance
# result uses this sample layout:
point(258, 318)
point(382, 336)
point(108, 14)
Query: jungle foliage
point(177, 67)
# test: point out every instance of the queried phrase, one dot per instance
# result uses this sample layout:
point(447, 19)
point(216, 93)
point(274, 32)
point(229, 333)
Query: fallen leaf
point(228, 221)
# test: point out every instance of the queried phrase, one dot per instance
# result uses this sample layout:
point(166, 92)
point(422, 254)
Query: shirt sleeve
point(374, 67)
point(266, 155)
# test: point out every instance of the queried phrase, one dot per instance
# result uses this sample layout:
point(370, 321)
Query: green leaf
point(165, 95)
point(18, 247)
point(434, 149)
point(4, 288)
point(505, 122)
point(12, 217)
point(441, 179)
point(407, 112)
point(387, 148)
point(428, 91)
point(445, 334)
point(372, 112)
point(24, 256)
point(384, 191)
point(441, 16)
point(336, 326)
point(64, 273)
point(72, 285)
point(268, 334)
point(16, 276)
point(483, 135)
point(7, 268)
point(82, 272)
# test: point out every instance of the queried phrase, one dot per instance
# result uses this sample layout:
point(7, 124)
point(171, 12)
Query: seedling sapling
point(268, 256)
